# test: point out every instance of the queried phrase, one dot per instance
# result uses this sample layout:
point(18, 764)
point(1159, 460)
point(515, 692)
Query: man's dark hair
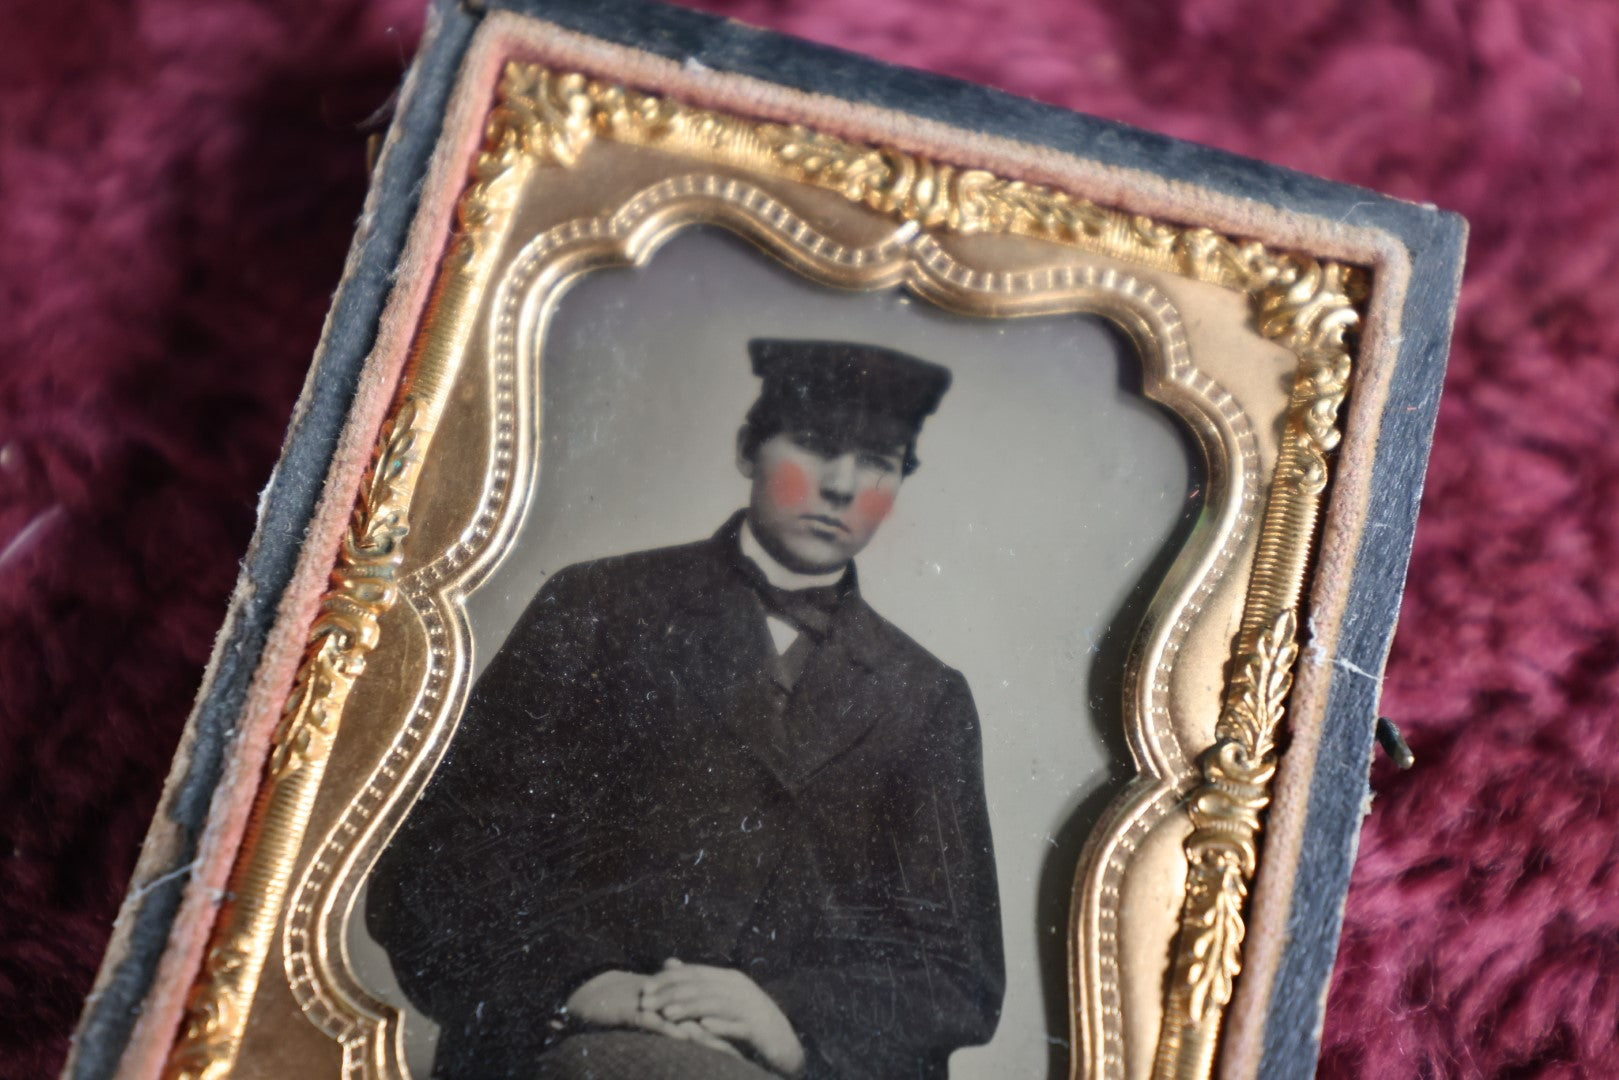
point(765, 420)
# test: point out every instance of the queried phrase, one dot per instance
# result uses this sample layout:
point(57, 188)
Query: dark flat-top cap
point(846, 383)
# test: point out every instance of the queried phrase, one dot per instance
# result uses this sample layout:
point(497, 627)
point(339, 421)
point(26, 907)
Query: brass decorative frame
point(545, 119)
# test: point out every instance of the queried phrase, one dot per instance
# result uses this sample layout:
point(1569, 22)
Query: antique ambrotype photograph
point(797, 626)
point(818, 596)
point(795, 693)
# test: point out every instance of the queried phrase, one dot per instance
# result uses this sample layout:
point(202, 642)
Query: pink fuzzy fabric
point(177, 186)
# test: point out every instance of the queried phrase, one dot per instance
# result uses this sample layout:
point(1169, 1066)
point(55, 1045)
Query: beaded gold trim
point(546, 118)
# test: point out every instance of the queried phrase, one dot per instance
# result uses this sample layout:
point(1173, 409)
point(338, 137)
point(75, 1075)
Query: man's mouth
point(826, 522)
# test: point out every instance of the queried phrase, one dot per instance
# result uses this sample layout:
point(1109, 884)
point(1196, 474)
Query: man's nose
point(838, 479)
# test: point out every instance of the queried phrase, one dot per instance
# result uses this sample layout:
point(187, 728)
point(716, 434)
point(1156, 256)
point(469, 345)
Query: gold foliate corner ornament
point(547, 119)
point(540, 118)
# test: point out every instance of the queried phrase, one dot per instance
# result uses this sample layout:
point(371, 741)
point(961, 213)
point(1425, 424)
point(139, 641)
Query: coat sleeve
point(451, 897)
point(918, 971)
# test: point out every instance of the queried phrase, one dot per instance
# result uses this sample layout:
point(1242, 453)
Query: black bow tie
point(809, 610)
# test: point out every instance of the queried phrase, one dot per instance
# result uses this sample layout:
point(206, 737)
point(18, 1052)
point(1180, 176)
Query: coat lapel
point(838, 698)
point(722, 653)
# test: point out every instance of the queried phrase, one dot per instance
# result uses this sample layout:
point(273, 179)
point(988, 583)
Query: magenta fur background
point(178, 182)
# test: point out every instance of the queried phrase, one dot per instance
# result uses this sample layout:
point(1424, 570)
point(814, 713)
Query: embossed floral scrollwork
point(1258, 695)
point(932, 194)
point(363, 587)
point(1308, 307)
point(1223, 849)
point(1215, 898)
point(213, 1017)
point(540, 116)
point(1314, 314)
point(1223, 853)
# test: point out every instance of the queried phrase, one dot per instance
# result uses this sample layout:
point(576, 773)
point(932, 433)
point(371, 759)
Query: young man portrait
point(707, 815)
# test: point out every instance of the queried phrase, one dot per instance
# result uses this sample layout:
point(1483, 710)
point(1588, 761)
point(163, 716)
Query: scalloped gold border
point(329, 993)
point(544, 117)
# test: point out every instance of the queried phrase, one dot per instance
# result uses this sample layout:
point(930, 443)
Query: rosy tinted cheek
point(789, 486)
point(873, 505)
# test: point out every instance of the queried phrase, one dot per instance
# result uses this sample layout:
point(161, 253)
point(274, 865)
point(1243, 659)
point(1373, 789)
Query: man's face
point(816, 501)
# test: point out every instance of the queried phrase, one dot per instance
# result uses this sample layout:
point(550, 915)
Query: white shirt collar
point(777, 574)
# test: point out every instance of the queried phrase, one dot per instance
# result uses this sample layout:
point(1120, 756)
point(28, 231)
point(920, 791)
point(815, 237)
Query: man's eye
point(879, 462)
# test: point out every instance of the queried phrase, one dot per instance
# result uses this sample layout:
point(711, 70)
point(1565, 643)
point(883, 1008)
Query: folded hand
point(727, 1004)
point(614, 999)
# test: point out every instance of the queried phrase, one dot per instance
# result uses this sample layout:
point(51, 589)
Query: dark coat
point(611, 799)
